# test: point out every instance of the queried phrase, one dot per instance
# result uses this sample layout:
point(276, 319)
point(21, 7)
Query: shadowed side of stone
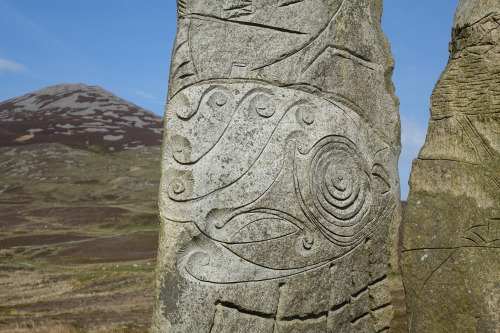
point(279, 197)
point(451, 258)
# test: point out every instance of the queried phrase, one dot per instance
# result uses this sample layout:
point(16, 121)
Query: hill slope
point(79, 173)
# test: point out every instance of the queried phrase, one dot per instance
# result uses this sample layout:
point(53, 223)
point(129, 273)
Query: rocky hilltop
point(79, 116)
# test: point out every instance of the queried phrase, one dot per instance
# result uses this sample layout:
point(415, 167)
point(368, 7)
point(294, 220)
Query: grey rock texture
point(451, 258)
point(279, 197)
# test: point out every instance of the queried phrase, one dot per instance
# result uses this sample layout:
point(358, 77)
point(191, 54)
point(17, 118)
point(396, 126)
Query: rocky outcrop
point(279, 195)
point(451, 259)
point(79, 116)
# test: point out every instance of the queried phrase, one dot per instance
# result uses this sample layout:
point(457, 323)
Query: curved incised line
point(205, 93)
point(191, 50)
point(308, 43)
point(205, 17)
point(253, 163)
point(303, 268)
point(273, 212)
point(369, 226)
point(255, 221)
point(236, 109)
point(344, 53)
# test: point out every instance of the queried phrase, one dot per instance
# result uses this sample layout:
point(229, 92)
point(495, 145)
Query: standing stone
point(279, 182)
point(451, 259)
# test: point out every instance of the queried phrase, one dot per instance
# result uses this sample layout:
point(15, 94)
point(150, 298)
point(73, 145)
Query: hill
point(79, 173)
point(79, 116)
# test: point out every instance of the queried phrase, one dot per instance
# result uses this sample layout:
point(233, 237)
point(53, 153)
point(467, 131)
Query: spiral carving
point(340, 195)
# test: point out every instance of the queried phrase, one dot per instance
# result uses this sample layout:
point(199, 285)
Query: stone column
point(451, 259)
point(279, 194)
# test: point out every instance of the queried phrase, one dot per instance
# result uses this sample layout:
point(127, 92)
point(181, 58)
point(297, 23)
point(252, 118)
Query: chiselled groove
point(359, 292)
point(178, 68)
point(283, 215)
point(185, 76)
point(339, 100)
point(482, 240)
point(179, 46)
point(344, 53)
point(243, 8)
point(278, 308)
point(450, 248)
point(214, 317)
point(354, 320)
point(183, 7)
point(371, 284)
point(236, 7)
point(205, 93)
point(480, 237)
point(286, 3)
point(240, 6)
point(299, 270)
point(189, 44)
point(479, 137)
point(319, 265)
point(472, 240)
point(251, 222)
point(436, 269)
point(244, 23)
point(475, 226)
point(339, 306)
point(245, 311)
point(470, 32)
point(497, 183)
point(447, 159)
point(288, 55)
point(309, 316)
point(381, 307)
point(478, 155)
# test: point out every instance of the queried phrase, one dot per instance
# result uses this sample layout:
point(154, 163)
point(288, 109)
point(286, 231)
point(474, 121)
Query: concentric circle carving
point(339, 188)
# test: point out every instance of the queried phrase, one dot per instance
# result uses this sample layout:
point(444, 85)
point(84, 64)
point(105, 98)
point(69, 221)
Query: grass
point(44, 327)
point(112, 271)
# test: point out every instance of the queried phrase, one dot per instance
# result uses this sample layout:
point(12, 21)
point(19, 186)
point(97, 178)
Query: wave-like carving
point(284, 174)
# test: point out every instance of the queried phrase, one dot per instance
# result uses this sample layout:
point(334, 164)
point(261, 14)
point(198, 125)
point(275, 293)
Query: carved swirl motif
point(339, 187)
point(278, 181)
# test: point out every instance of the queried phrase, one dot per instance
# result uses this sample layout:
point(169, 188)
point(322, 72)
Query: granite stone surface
point(279, 198)
point(451, 258)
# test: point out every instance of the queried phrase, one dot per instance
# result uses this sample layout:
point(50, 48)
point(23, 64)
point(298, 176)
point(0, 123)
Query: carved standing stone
point(279, 193)
point(451, 259)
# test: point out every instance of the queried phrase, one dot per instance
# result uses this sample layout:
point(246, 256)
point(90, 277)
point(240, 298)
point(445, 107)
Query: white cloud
point(145, 95)
point(412, 139)
point(150, 97)
point(412, 135)
point(10, 66)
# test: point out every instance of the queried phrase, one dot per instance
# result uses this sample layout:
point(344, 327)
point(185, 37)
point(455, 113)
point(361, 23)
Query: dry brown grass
point(44, 327)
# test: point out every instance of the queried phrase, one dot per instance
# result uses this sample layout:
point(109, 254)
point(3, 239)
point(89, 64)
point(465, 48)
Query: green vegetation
point(78, 236)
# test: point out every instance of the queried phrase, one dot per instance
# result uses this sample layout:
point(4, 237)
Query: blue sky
point(124, 46)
